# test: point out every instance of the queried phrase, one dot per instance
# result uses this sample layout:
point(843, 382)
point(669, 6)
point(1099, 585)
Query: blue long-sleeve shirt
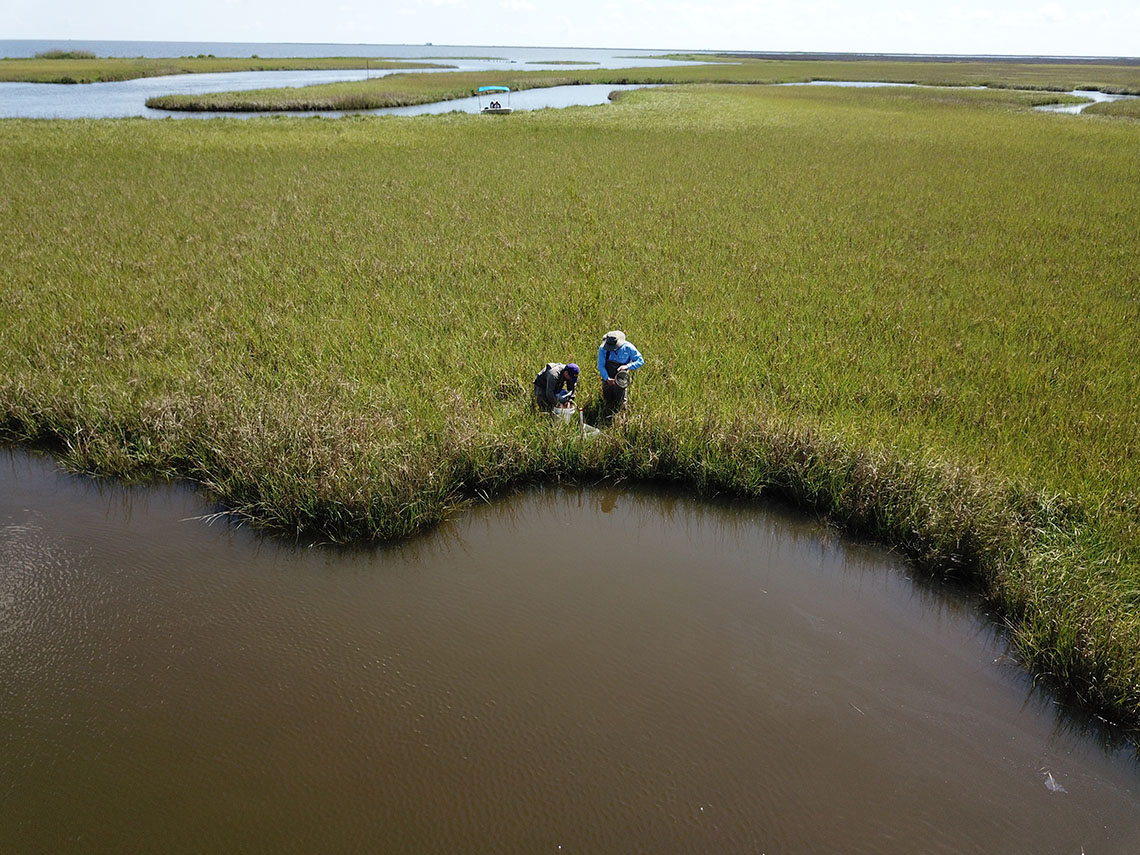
point(626, 355)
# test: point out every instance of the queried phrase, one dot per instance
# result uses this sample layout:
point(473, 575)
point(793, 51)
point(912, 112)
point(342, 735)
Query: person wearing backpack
point(554, 385)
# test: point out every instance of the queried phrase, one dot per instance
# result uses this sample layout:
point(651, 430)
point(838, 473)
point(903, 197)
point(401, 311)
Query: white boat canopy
point(494, 107)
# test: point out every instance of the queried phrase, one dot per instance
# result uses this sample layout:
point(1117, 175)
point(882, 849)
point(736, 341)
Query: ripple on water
point(603, 670)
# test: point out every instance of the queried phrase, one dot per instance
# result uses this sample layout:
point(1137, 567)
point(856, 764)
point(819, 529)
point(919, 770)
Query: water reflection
point(1092, 96)
point(127, 98)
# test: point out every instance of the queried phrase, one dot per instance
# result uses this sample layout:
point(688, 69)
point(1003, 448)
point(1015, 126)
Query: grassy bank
point(406, 89)
point(1129, 109)
point(80, 69)
point(912, 311)
point(1123, 77)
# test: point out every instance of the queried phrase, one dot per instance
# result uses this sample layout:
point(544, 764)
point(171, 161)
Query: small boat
point(494, 107)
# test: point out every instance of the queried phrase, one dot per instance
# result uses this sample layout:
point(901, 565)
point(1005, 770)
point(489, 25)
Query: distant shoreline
point(173, 48)
point(931, 57)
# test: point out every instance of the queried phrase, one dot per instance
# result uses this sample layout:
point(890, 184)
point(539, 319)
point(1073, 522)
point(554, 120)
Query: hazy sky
point(1064, 27)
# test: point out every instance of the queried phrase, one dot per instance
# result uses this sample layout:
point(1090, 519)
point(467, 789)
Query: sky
point(1056, 27)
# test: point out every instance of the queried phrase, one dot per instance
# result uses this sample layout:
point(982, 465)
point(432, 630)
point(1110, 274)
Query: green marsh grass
point(407, 89)
point(1127, 109)
point(912, 312)
point(59, 53)
point(89, 69)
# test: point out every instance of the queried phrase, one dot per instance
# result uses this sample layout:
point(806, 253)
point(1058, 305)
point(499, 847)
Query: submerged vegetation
point(406, 89)
point(81, 67)
point(912, 311)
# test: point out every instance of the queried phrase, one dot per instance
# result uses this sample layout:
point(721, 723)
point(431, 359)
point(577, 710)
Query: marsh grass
point(913, 313)
point(77, 68)
point(1126, 109)
point(65, 54)
point(394, 90)
point(1122, 77)
point(408, 89)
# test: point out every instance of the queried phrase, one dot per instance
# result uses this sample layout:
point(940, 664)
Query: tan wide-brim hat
point(613, 340)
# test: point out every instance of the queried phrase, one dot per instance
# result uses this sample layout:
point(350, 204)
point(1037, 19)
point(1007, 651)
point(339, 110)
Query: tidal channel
point(567, 670)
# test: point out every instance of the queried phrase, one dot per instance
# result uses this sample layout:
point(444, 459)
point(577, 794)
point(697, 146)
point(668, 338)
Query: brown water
point(604, 671)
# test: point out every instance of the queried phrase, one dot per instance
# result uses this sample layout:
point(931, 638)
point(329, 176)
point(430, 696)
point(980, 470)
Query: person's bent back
point(554, 385)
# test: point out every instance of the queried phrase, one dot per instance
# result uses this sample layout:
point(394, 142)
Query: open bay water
point(465, 57)
point(565, 670)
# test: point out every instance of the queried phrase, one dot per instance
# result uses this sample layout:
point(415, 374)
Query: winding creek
point(128, 98)
point(567, 670)
point(122, 99)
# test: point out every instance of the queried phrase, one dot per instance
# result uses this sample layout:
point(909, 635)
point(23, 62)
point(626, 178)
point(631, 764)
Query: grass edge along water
point(409, 89)
point(269, 351)
point(1033, 556)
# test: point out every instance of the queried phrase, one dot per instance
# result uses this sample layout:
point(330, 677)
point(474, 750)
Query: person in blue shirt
point(616, 357)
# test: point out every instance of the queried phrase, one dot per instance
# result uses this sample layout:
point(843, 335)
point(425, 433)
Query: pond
point(566, 670)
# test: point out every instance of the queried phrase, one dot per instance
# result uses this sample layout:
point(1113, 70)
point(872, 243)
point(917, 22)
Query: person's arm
point(602, 364)
point(636, 361)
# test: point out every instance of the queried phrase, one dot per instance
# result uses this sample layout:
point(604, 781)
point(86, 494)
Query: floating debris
point(1053, 785)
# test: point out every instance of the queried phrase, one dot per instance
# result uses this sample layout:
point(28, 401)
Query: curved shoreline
point(949, 521)
point(226, 102)
point(405, 89)
point(244, 321)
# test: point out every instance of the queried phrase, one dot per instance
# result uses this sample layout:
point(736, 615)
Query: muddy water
point(567, 671)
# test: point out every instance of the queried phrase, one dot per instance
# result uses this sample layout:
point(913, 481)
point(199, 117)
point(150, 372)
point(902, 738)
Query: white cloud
point(1053, 12)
